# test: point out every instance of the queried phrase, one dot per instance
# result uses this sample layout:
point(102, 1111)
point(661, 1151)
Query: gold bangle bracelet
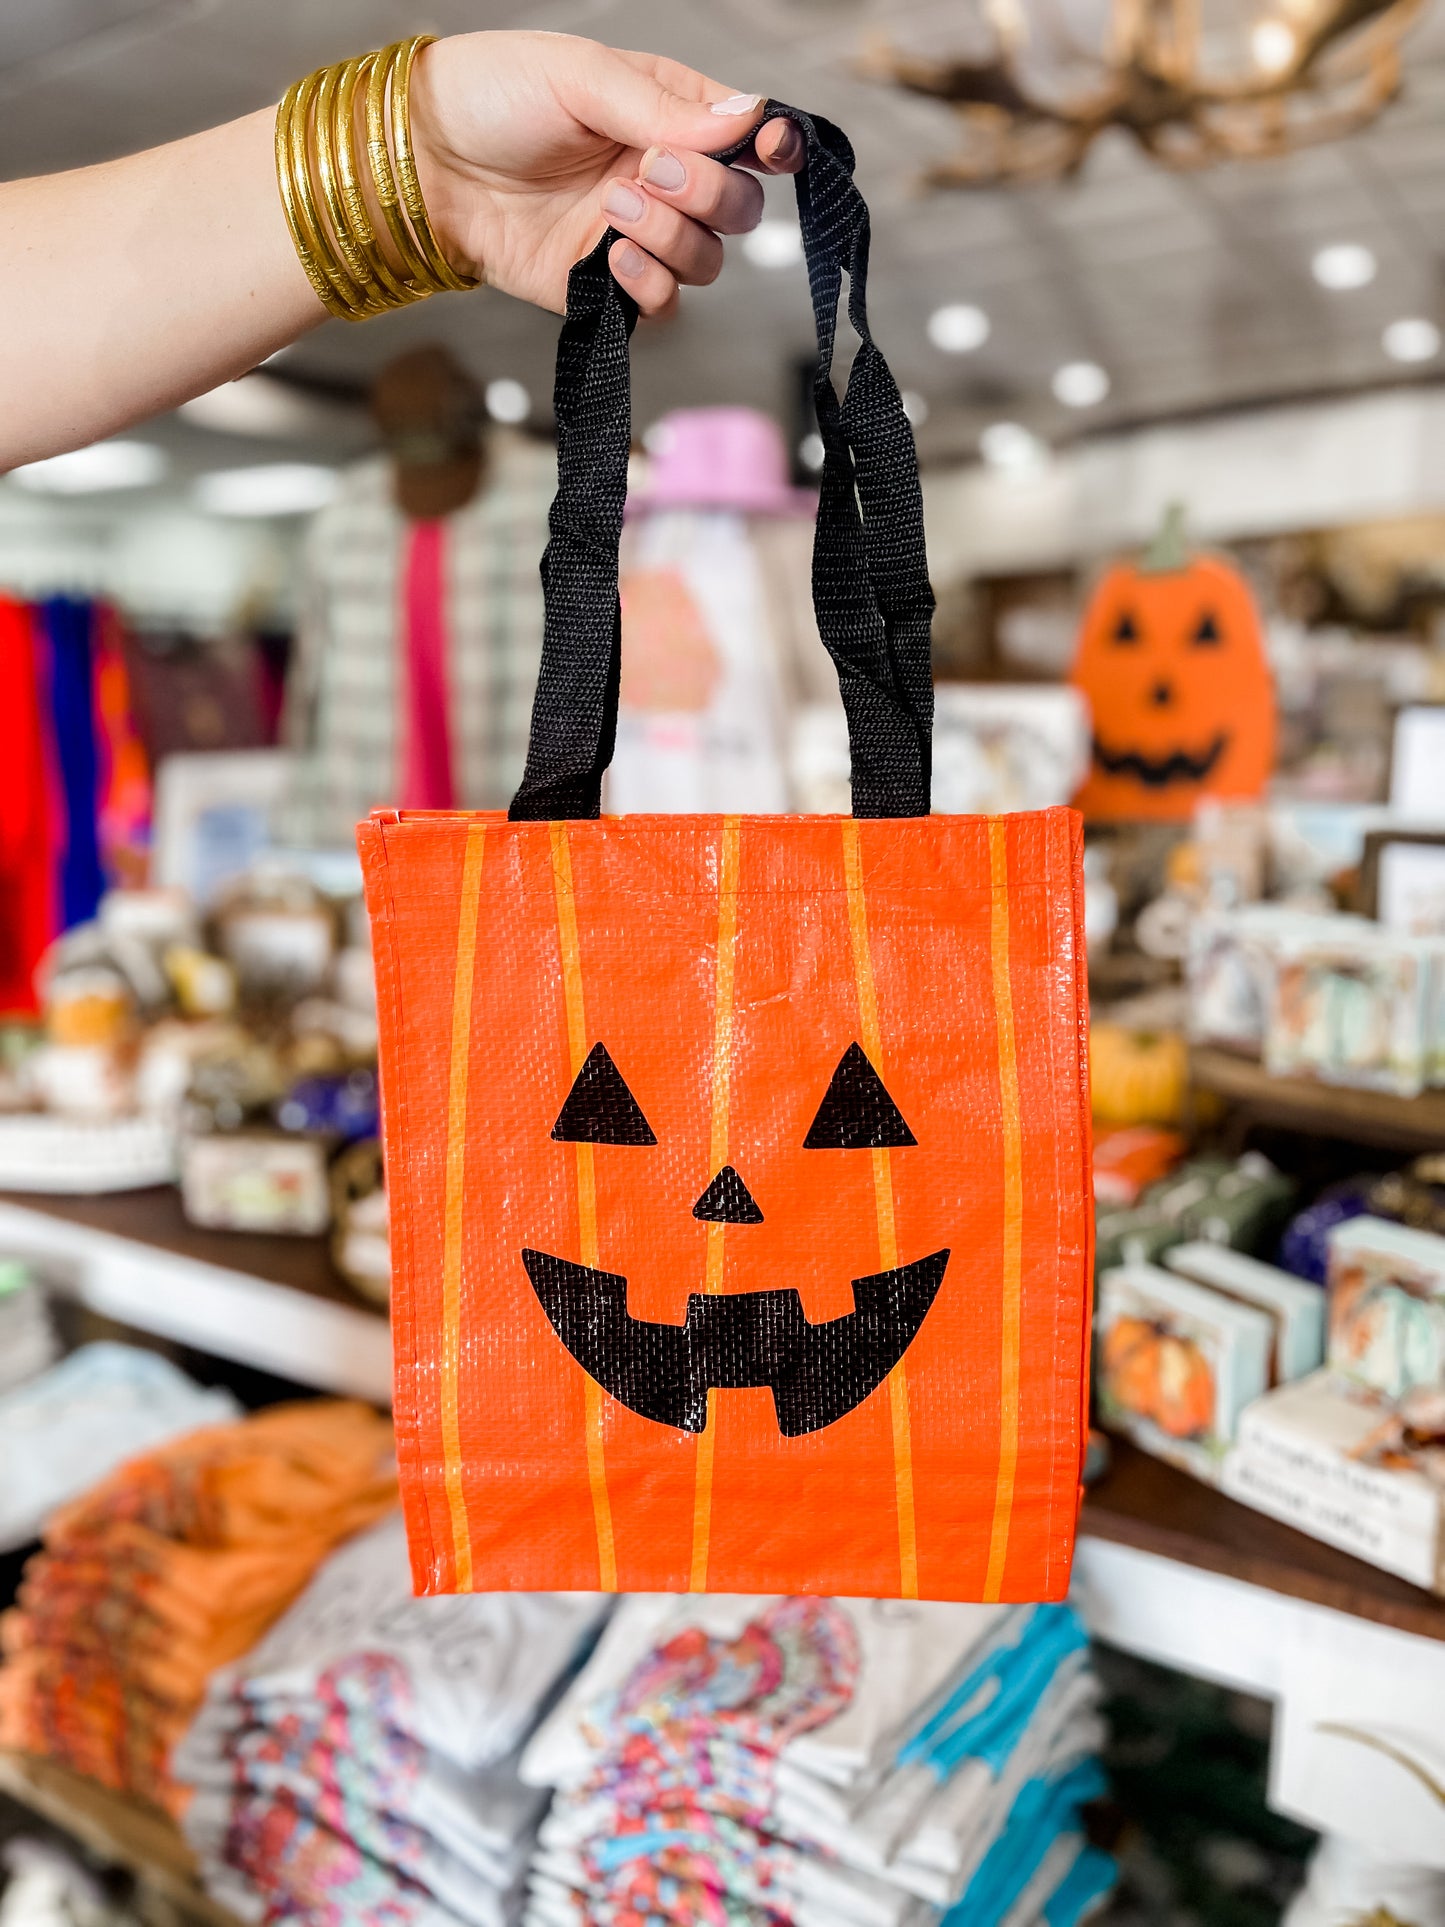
point(327, 167)
point(363, 232)
point(406, 174)
point(302, 242)
point(352, 302)
point(336, 236)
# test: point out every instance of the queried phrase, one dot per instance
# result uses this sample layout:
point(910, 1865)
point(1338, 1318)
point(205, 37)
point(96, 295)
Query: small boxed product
point(254, 1181)
point(1347, 1466)
point(1354, 1007)
point(1386, 1305)
point(1232, 964)
point(1128, 1158)
point(1295, 1310)
point(1176, 1363)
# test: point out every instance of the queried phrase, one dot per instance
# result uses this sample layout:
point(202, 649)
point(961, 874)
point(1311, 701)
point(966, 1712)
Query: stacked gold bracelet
point(336, 239)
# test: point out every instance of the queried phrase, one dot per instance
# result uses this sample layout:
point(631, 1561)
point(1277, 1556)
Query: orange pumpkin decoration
point(738, 1177)
point(1158, 1375)
point(1172, 663)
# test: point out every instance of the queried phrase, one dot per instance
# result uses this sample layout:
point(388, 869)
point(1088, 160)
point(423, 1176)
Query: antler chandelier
point(1190, 84)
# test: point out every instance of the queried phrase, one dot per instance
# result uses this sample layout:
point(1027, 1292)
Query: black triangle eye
point(1125, 629)
point(600, 1109)
point(856, 1113)
point(1206, 632)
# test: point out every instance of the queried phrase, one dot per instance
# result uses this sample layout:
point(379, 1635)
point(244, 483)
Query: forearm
point(133, 286)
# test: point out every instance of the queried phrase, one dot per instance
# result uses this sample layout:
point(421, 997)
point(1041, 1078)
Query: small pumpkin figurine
point(1137, 1077)
point(1171, 660)
point(1160, 1375)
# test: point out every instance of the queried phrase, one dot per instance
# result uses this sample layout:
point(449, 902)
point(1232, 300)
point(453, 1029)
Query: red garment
point(426, 752)
point(28, 908)
point(125, 778)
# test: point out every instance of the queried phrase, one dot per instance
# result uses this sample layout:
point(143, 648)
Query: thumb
point(626, 103)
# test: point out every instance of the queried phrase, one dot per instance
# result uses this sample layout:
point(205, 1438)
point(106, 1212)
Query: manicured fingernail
point(789, 146)
point(737, 104)
point(623, 203)
point(661, 169)
point(629, 261)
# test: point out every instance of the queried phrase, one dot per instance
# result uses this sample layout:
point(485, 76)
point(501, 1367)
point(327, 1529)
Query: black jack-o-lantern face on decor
point(1172, 663)
point(816, 1372)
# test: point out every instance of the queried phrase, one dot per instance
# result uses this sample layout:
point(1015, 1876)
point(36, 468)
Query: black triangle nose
point(727, 1200)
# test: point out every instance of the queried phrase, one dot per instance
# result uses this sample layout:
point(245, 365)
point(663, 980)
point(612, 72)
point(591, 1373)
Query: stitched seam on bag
point(1086, 1150)
point(410, 1430)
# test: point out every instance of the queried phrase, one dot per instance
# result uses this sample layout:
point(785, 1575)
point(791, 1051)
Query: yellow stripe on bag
point(872, 1041)
point(455, 1200)
point(722, 1045)
point(1013, 1210)
point(586, 1194)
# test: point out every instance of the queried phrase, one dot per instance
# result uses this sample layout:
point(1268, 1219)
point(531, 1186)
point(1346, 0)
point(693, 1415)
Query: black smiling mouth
point(1158, 772)
point(816, 1373)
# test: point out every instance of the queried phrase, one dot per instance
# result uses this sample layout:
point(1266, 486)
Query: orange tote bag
point(738, 1166)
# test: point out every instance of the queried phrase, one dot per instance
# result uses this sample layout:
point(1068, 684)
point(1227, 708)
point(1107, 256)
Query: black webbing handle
point(870, 573)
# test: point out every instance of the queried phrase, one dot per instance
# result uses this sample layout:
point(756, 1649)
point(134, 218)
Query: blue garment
point(1044, 1810)
point(66, 623)
point(1020, 1673)
point(1080, 1891)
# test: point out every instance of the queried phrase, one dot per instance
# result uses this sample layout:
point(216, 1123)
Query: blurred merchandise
point(1342, 1463)
point(278, 933)
point(1137, 1077)
point(1296, 1311)
point(27, 1337)
point(74, 1424)
point(1356, 1007)
point(1128, 1158)
point(361, 1237)
point(60, 1154)
point(420, 625)
point(198, 695)
point(719, 645)
point(1239, 1204)
point(827, 1760)
point(1387, 1305)
point(362, 1757)
point(44, 1885)
point(214, 818)
point(254, 1181)
point(170, 1568)
point(1417, 764)
point(1304, 1248)
point(1177, 1363)
point(1000, 747)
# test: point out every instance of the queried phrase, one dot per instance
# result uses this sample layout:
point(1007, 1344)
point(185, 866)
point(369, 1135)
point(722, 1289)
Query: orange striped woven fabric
point(756, 1059)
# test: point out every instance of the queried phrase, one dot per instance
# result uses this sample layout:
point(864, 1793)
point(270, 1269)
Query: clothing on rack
point(28, 828)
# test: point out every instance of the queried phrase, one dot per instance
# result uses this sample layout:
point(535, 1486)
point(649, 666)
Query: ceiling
point(1194, 292)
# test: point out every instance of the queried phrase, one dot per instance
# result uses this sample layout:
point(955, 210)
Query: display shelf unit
point(118, 1831)
point(1153, 1508)
point(275, 1303)
point(1406, 1124)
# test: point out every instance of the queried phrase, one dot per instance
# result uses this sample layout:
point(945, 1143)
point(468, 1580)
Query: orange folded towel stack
point(172, 1567)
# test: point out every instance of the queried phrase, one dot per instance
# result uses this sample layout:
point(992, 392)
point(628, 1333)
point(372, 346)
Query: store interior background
point(1257, 342)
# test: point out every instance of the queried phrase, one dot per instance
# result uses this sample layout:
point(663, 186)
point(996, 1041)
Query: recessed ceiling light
point(915, 407)
point(95, 470)
point(271, 488)
point(811, 452)
point(1080, 384)
point(773, 244)
point(1413, 339)
point(507, 400)
point(1274, 45)
point(959, 328)
point(1344, 265)
point(1010, 446)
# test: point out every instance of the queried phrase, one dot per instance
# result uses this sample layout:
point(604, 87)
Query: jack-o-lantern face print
point(1173, 666)
point(816, 1373)
point(739, 1200)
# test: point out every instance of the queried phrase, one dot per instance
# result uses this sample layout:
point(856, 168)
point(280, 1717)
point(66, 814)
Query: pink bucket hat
point(720, 458)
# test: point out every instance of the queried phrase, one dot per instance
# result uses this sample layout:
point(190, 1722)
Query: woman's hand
point(529, 145)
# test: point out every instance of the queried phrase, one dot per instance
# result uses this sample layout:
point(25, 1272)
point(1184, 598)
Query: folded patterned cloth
point(747, 1768)
point(171, 1567)
point(359, 1765)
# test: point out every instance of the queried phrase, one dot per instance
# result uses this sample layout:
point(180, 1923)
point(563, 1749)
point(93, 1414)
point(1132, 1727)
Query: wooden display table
point(1405, 1124)
point(118, 1831)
